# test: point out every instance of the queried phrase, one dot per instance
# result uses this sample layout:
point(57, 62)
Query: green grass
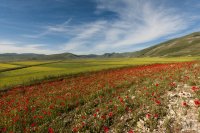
point(6, 66)
point(43, 70)
point(28, 63)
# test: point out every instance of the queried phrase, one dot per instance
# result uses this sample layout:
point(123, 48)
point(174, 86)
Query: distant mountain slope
point(185, 46)
point(14, 56)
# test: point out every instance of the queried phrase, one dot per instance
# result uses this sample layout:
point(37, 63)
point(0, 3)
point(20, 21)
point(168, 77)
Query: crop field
point(29, 72)
point(7, 65)
point(156, 98)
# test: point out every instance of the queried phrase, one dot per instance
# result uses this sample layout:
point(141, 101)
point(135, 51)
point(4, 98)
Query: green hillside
point(185, 46)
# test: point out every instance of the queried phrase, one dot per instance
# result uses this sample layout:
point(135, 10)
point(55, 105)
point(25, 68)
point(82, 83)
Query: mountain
point(14, 56)
point(184, 46)
point(188, 45)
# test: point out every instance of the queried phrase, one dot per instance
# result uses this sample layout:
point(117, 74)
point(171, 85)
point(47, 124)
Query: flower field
point(131, 99)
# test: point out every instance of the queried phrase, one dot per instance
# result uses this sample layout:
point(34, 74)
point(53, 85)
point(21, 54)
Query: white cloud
point(137, 22)
point(60, 28)
point(13, 47)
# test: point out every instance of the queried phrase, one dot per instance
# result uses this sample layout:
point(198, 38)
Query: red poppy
point(157, 102)
point(110, 114)
point(83, 124)
point(75, 129)
point(184, 104)
point(130, 131)
point(103, 117)
point(4, 129)
point(197, 102)
point(50, 130)
point(106, 129)
point(41, 117)
point(148, 116)
point(157, 84)
point(33, 124)
point(83, 117)
point(156, 116)
point(194, 88)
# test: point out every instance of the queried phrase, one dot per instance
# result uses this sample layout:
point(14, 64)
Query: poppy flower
point(156, 116)
point(157, 84)
point(197, 102)
point(194, 88)
point(130, 131)
point(148, 116)
point(50, 130)
point(75, 129)
point(4, 129)
point(157, 102)
point(83, 124)
point(184, 104)
point(106, 129)
point(110, 114)
point(103, 117)
point(83, 117)
point(33, 124)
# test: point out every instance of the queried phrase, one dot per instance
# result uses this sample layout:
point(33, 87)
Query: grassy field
point(6, 66)
point(27, 72)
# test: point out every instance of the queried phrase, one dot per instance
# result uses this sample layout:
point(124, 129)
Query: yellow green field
point(41, 70)
point(7, 65)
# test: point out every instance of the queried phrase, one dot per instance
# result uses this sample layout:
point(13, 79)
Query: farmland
point(30, 72)
point(125, 99)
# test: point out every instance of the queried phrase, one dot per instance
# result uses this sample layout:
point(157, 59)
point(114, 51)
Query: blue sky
point(93, 26)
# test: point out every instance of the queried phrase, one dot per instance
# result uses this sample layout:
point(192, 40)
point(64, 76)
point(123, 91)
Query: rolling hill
point(184, 46)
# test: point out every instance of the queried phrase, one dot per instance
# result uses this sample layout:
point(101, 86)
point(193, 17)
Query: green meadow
point(29, 72)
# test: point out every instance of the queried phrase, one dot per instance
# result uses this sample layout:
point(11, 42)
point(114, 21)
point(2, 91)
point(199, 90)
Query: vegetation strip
point(26, 66)
point(36, 74)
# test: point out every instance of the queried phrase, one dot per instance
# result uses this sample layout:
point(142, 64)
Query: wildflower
point(95, 115)
point(156, 116)
point(83, 117)
point(157, 102)
point(194, 88)
point(121, 100)
point(157, 84)
point(110, 114)
point(75, 129)
point(130, 131)
point(83, 124)
point(106, 129)
point(103, 117)
point(148, 116)
point(41, 117)
point(197, 102)
point(173, 84)
point(4, 129)
point(50, 130)
point(184, 104)
point(33, 124)
point(97, 110)
point(51, 107)
point(44, 112)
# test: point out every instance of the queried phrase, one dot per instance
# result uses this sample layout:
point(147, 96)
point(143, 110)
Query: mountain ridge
point(188, 45)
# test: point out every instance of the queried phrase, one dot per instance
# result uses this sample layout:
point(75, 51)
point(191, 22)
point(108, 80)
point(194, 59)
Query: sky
point(93, 26)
